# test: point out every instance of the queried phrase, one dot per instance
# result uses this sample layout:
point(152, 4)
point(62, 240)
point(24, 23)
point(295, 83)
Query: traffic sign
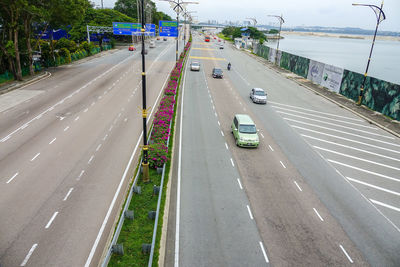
point(126, 28)
point(168, 28)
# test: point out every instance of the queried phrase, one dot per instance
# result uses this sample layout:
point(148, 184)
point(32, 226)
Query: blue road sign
point(168, 28)
point(126, 28)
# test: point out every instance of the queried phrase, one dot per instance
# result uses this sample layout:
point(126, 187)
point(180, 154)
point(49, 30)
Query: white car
point(152, 44)
point(195, 65)
point(258, 96)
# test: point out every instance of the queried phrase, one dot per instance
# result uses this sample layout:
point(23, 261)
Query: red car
point(132, 48)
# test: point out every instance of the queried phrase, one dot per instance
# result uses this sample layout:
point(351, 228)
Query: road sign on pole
point(168, 28)
point(126, 28)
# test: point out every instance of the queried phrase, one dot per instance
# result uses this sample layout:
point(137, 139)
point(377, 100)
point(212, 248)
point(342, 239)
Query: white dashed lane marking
point(12, 178)
point(37, 155)
point(52, 141)
point(29, 255)
point(51, 220)
point(69, 193)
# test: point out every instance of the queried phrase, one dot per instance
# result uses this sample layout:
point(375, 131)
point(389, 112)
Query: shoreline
point(341, 35)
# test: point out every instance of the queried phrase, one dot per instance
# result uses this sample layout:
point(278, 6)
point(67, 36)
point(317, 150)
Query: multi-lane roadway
point(67, 151)
point(322, 188)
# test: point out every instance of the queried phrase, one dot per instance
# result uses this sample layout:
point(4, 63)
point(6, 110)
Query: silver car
point(195, 65)
point(258, 96)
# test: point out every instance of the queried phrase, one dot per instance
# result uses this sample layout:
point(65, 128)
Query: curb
point(332, 100)
point(46, 74)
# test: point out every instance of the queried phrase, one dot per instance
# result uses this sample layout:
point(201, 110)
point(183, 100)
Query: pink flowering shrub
point(158, 155)
point(158, 149)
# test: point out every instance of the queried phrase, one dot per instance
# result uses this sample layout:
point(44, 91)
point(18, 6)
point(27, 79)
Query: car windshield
point(195, 64)
point(250, 129)
point(218, 71)
point(260, 93)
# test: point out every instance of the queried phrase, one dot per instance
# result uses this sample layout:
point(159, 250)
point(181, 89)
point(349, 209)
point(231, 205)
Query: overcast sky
point(335, 13)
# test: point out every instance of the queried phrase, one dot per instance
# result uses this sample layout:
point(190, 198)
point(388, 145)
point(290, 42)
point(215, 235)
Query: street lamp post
point(178, 6)
point(281, 21)
point(380, 16)
point(145, 162)
point(187, 15)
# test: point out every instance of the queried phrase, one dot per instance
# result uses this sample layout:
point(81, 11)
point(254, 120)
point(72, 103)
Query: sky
point(328, 13)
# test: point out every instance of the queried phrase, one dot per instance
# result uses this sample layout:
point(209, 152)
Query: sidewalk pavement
point(390, 125)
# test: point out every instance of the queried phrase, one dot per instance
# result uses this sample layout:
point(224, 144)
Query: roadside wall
point(379, 95)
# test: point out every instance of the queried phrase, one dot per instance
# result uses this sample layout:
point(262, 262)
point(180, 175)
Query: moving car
point(207, 38)
point(244, 131)
point(258, 96)
point(165, 39)
point(152, 44)
point(217, 73)
point(221, 46)
point(195, 65)
point(158, 38)
point(132, 48)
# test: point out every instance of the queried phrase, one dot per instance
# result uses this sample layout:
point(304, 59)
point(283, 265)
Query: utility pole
point(281, 21)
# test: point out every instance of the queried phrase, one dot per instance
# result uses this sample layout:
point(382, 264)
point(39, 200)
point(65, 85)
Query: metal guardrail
point(128, 201)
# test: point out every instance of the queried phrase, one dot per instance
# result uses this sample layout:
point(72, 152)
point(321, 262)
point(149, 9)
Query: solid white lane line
point(233, 165)
point(39, 116)
point(24, 126)
point(373, 186)
point(366, 171)
point(219, 124)
point(226, 145)
point(385, 205)
point(264, 253)
point(52, 141)
point(345, 253)
point(240, 184)
point(98, 147)
point(262, 135)
point(66, 128)
point(346, 139)
point(318, 214)
point(51, 220)
point(5, 138)
point(357, 158)
point(334, 130)
point(29, 255)
point(77, 118)
point(222, 133)
point(91, 158)
point(330, 114)
point(37, 155)
point(337, 125)
point(86, 109)
point(283, 165)
point(69, 193)
point(250, 214)
point(325, 118)
point(297, 186)
point(12, 178)
point(350, 147)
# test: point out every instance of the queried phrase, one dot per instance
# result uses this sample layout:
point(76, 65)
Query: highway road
point(66, 143)
point(322, 189)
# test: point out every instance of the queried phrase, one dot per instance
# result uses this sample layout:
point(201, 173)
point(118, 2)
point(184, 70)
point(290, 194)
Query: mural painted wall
point(379, 95)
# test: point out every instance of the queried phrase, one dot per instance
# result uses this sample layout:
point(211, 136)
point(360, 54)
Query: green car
point(244, 131)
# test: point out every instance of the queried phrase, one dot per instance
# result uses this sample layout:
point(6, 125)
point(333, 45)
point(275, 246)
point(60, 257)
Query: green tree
point(273, 31)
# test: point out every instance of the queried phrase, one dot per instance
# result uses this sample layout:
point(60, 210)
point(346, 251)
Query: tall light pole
point(380, 16)
point(187, 15)
point(281, 21)
point(145, 162)
point(178, 7)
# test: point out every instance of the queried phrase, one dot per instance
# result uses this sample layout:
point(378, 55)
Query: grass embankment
point(222, 36)
point(136, 232)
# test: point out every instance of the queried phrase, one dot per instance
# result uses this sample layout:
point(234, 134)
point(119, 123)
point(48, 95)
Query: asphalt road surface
point(322, 189)
point(65, 143)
